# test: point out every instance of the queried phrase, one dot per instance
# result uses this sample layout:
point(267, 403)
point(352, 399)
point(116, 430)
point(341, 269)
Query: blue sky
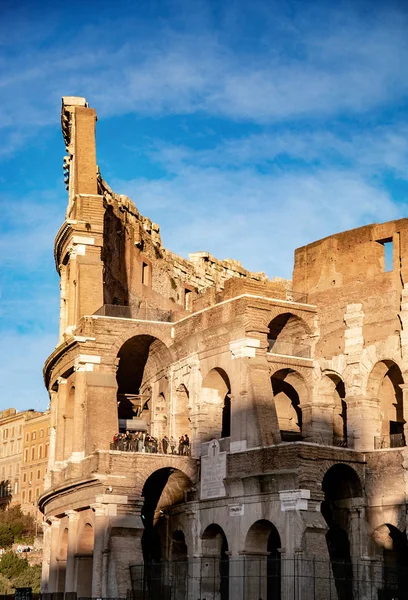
point(243, 128)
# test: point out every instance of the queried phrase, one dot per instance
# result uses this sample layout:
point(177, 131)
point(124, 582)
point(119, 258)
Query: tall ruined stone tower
point(293, 398)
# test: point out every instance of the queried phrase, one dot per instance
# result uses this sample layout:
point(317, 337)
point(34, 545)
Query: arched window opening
point(333, 392)
point(289, 335)
point(340, 485)
point(182, 423)
point(384, 383)
point(263, 561)
point(391, 543)
point(215, 564)
point(179, 566)
point(140, 358)
point(287, 386)
point(164, 488)
point(84, 562)
point(216, 398)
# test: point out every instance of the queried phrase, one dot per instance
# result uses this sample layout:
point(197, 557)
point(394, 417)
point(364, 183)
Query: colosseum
point(216, 434)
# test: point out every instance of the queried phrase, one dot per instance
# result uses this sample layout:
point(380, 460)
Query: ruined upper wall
point(137, 269)
point(347, 277)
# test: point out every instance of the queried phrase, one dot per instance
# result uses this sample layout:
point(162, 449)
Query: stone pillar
point(101, 409)
point(363, 421)
point(73, 517)
point(57, 414)
point(404, 387)
point(100, 526)
point(53, 564)
point(45, 574)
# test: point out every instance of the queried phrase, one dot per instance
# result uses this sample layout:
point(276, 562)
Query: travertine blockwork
point(303, 387)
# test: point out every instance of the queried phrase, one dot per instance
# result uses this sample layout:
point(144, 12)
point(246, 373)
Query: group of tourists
point(140, 441)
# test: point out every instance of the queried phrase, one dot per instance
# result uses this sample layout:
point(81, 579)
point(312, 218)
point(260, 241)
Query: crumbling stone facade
point(293, 395)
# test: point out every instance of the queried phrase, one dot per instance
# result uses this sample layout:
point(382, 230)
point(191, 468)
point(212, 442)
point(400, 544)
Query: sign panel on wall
point(213, 472)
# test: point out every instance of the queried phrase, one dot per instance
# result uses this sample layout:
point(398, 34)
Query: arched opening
point(384, 384)
point(164, 488)
point(182, 423)
point(289, 389)
point(179, 565)
point(392, 545)
point(215, 564)
point(216, 400)
point(332, 391)
point(263, 561)
point(84, 562)
point(289, 335)
point(340, 484)
point(140, 359)
point(62, 561)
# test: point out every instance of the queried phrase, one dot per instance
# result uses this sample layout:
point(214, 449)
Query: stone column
point(45, 574)
point(100, 526)
point(73, 517)
point(404, 387)
point(53, 564)
point(363, 422)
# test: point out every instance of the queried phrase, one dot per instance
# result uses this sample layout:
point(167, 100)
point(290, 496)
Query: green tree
point(5, 586)
point(11, 565)
point(6, 536)
point(30, 577)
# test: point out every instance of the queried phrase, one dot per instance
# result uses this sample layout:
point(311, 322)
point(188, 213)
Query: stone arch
point(333, 392)
point(143, 360)
point(84, 561)
point(340, 485)
point(263, 560)
point(181, 410)
point(290, 392)
point(62, 560)
point(215, 563)
point(163, 488)
point(391, 545)
point(289, 334)
point(383, 385)
point(215, 399)
point(179, 565)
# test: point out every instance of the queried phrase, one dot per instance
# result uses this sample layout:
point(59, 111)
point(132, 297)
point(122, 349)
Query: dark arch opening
point(215, 563)
point(286, 387)
point(393, 544)
point(216, 389)
point(384, 383)
point(263, 545)
point(289, 335)
point(340, 483)
point(139, 356)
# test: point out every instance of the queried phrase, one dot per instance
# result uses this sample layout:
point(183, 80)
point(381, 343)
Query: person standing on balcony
point(165, 444)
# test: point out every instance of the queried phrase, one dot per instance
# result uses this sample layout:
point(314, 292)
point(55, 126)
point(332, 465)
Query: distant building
point(24, 441)
point(36, 439)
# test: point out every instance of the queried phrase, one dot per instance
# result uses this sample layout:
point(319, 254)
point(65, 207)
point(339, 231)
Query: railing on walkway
point(260, 577)
point(153, 448)
point(395, 440)
point(143, 313)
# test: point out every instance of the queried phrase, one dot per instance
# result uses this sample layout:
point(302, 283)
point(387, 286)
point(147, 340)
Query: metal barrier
point(255, 577)
point(395, 440)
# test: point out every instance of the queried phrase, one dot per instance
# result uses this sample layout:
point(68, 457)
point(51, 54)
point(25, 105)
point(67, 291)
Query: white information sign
point(213, 472)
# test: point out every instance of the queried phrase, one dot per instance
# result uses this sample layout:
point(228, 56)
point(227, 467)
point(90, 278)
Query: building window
point(41, 433)
point(27, 437)
point(23, 496)
point(33, 435)
point(187, 299)
point(388, 251)
point(40, 452)
point(16, 487)
point(38, 474)
point(25, 477)
point(30, 495)
point(12, 432)
point(37, 492)
point(32, 453)
point(26, 455)
point(46, 451)
point(145, 274)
